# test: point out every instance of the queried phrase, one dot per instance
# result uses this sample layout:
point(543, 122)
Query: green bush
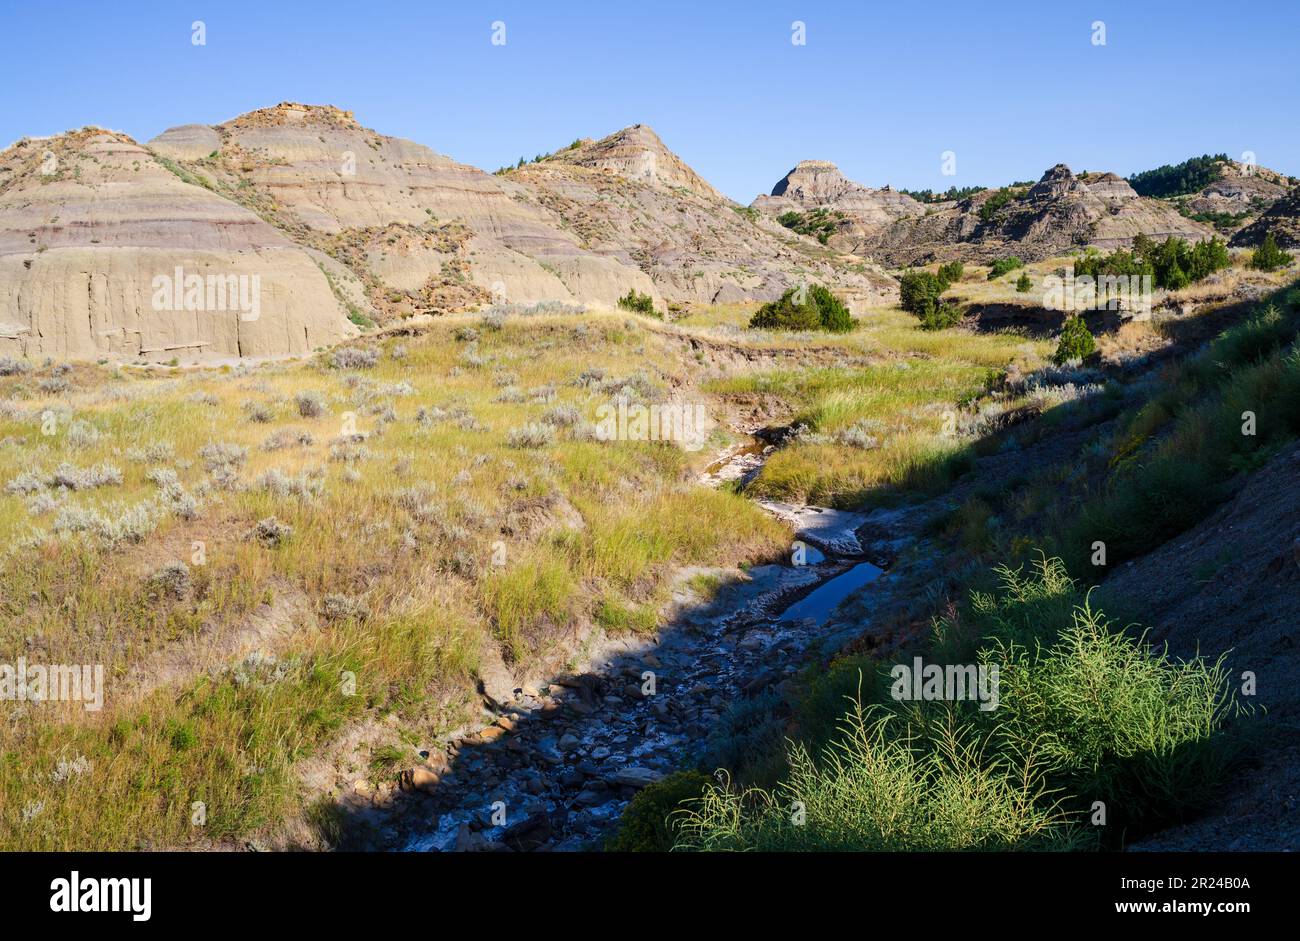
point(819, 223)
point(1119, 722)
point(637, 302)
point(1024, 284)
point(1172, 264)
point(819, 310)
point(945, 315)
point(951, 273)
point(995, 202)
point(1003, 265)
point(1268, 257)
point(834, 316)
point(918, 292)
point(1076, 341)
point(649, 823)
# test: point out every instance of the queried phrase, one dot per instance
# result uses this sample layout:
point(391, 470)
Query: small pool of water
point(821, 601)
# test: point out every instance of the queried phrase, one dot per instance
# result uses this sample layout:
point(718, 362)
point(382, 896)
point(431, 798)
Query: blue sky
point(882, 89)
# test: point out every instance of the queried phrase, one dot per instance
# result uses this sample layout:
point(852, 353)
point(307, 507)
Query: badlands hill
point(1062, 211)
point(412, 231)
point(340, 226)
point(1240, 192)
point(629, 197)
point(1282, 218)
point(819, 184)
point(90, 218)
point(343, 226)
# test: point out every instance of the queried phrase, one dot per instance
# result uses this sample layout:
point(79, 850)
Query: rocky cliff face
point(628, 197)
point(105, 251)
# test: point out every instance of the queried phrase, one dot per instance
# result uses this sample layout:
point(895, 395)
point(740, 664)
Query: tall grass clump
point(1088, 716)
point(879, 787)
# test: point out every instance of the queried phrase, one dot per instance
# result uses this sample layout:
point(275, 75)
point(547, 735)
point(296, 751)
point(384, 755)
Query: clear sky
point(881, 88)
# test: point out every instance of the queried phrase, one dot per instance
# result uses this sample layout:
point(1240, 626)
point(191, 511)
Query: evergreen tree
point(1268, 257)
point(1076, 341)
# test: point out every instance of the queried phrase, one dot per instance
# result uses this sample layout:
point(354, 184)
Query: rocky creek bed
point(556, 768)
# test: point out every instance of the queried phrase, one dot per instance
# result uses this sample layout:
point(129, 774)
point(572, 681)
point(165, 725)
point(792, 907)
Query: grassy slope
point(403, 531)
point(1089, 713)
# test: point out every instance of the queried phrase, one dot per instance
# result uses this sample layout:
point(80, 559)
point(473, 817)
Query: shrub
point(1172, 264)
point(1076, 342)
point(918, 292)
point(531, 436)
point(818, 223)
point(1118, 721)
point(951, 272)
point(637, 302)
point(350, 357)
point(785, 314)
point(561, 416)
point(1268, 257)
point(1003, 265)
point(860, 435)
point(308, 484)
point(832, 313)
point(649, 823)
point(222, 455)
point(1084, 712)
point(81, 434)
point(114, 525)
point(86, 478)
point(877, 788)
point(172, 579)
point(994, 203)
point(27, 482)
point(945, 315)
point(1024, 284)
point(311, 404)
point(818, 309)
point(258, 412)
point(270, 532)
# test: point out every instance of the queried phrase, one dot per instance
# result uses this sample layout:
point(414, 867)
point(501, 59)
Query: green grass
point(912, 404)
point(1087, 713)
point(1180, 455)
point(593, 532)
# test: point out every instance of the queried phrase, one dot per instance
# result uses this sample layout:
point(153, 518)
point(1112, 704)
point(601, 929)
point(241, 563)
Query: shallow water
point(821, 601)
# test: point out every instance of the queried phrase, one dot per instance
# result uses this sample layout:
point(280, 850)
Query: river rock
point(528, 834)
point(634, 776)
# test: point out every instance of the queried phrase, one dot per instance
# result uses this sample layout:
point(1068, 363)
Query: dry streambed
point(561, 762)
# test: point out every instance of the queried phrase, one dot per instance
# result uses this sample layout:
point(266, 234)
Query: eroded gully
point(559, 763)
